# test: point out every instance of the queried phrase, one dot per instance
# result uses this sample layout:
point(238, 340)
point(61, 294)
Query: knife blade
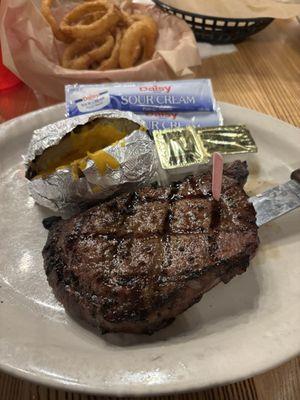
point(278, 200)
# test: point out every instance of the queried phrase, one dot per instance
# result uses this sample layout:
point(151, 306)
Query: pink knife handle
point(295, 175)
point(217, 175)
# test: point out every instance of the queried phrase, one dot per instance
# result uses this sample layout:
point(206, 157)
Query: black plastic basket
point(217, 30)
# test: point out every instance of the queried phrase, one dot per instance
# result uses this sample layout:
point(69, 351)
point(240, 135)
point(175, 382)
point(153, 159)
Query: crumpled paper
point(239, 8)
point(30, 50)
point(206, 50)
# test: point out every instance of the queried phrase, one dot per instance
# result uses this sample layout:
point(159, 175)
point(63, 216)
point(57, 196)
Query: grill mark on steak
point(215, 215)
point(213, 228)
point(129, 205)
point(136, 261)
point(172, 197)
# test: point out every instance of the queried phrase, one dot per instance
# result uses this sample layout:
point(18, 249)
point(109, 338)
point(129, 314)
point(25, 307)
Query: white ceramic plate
point(237, 330)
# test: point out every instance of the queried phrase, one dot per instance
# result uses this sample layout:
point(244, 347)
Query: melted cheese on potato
point(74, 150)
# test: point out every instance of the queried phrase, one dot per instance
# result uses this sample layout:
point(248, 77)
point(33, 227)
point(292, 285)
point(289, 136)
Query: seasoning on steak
point(134, 262)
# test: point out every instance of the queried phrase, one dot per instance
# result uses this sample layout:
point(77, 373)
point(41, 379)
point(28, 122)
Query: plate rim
point(151, 390)
point(137, 389)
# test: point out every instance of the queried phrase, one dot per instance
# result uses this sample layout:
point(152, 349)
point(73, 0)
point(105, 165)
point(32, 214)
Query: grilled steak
point(134, 262)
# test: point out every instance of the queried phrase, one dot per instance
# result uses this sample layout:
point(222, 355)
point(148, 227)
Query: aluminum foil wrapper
point(60, 192)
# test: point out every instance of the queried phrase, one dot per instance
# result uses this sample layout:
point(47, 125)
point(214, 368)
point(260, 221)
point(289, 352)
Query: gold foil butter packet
point(186, 146)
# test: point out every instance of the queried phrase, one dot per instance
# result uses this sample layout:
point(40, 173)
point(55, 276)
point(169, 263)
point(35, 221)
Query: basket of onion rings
point(94, 41)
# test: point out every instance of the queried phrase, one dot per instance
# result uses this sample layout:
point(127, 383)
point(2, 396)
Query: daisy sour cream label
point(171, 96)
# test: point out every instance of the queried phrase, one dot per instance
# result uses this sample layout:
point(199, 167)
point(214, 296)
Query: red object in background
point(7, 78)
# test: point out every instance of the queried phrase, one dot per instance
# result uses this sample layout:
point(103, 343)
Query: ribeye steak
point(134, 262)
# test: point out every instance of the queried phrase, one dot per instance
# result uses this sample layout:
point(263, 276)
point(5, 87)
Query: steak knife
point(277, 201)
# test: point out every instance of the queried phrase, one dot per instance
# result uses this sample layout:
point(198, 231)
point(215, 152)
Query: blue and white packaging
point(169, 120)
point(172, 96)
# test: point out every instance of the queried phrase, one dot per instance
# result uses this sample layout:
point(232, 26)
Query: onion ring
point(47, 14)
point(113, 61)
point(81, 55)
point(126, 19)
point(153, 26)
point(91, 17)
point(71, 23)
point(147, 20)
point(142, 33)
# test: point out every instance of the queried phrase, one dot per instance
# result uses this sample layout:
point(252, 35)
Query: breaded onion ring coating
point(113, 61)
point(141, 33)
point(71, 24)
point(47, 14)
point(86, 54)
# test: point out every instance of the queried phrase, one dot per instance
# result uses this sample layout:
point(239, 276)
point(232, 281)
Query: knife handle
point(295, 175)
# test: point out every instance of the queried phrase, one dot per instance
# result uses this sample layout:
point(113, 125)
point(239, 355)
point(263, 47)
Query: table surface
point(263, 75)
